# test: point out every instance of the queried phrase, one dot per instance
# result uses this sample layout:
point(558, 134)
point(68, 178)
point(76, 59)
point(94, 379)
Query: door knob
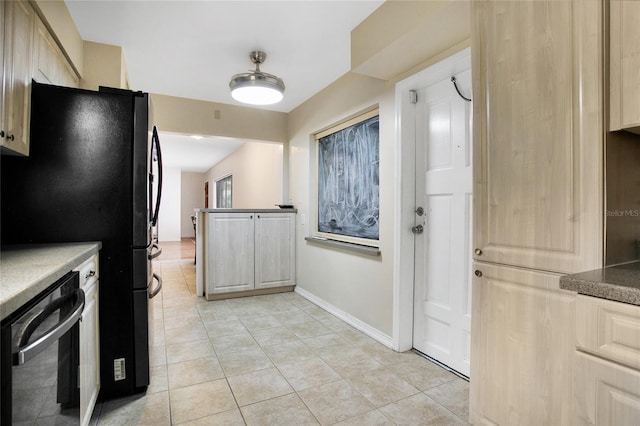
point(419, 211)
point(418, 229)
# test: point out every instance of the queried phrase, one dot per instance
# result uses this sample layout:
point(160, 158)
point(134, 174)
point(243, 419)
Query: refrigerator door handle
point(156, 141)
point(153, 293)
point(155, 254)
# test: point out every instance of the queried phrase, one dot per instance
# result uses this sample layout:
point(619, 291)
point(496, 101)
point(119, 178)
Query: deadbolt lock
point(419, 211)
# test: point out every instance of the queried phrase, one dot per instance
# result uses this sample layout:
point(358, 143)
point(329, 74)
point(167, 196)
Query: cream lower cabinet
point(248, 252)
point(89, 340)
point(607, 367)
point(522, 348)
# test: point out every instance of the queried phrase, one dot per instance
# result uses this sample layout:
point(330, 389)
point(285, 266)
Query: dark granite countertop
point(620, 283)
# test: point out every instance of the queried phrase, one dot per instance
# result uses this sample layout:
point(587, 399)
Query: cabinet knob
point(478, 252)
point(90, 274)
point(11, 137)
point(478, 273)
point(1, 133)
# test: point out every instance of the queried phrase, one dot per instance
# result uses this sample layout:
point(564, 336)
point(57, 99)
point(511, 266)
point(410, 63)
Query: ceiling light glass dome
point(257, 87)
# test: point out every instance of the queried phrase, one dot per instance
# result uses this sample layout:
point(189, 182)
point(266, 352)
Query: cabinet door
point(89, 353)
point(44, 61)
point(275, 247)
point(89, 340)
point(522, 348)
point(230, 252)
point(624, 54)
point(18, 37)
point(606, 393)
point(538, 133)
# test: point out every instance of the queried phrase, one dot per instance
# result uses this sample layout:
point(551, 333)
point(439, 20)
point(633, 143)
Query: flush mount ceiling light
point(257, 87)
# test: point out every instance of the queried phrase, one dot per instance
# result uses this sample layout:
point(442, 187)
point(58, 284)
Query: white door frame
point(403, 262)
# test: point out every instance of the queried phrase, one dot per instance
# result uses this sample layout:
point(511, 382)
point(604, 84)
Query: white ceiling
point(191, 49)
point(195, 155)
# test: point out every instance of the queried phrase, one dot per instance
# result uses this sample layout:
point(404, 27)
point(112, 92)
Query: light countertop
point(620, 283)
point(26, 270)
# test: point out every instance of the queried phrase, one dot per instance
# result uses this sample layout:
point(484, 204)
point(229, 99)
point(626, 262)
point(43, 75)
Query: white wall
point(192, 197)
point(169, 216)
point(257, 176)
point(357, 284)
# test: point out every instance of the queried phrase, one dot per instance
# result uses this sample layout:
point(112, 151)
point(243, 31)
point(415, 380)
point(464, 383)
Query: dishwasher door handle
point(26, 350)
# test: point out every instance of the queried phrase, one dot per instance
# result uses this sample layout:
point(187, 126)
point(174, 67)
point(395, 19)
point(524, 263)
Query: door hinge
point(413, 96)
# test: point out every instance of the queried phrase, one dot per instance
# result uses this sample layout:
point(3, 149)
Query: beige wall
point(191, 116)
point(360, 285)
point(103, 66)
point(257, 176)
point(192, 197)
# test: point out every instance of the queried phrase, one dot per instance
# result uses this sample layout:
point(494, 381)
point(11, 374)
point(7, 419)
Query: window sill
point(356, 248)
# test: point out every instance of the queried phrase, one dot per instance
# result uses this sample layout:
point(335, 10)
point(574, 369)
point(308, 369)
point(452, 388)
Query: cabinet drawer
point(608, 329)
point(88, 271)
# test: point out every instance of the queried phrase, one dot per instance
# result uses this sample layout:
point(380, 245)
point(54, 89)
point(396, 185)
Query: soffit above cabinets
point(400, 35)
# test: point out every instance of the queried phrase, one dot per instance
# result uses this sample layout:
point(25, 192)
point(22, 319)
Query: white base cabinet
point(247, 252)
point(89, 340)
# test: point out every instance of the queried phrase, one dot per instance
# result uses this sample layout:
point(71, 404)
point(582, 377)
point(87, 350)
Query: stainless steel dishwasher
point(40, 357)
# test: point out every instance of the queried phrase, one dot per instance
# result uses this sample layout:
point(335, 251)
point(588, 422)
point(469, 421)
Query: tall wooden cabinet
point(538, 143)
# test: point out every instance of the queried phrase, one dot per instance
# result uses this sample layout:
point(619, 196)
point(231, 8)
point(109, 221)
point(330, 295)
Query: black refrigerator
point(89, 177)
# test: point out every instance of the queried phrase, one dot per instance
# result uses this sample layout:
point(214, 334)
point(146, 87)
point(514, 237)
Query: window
point(223, 193)
point(348, 184)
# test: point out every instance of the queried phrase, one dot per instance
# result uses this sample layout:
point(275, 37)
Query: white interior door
point(442, 297)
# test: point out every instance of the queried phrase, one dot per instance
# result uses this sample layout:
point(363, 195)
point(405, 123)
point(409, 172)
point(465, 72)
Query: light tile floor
point(276, 360)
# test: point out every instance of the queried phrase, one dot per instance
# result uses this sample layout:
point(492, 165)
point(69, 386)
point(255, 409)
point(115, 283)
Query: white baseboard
point(348, 318)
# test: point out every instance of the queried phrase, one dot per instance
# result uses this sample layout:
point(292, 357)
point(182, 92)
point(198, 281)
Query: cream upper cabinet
point(522, 348)
point(538, 133)
point(49, 64)
point(18, 27)
point(624, 68)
